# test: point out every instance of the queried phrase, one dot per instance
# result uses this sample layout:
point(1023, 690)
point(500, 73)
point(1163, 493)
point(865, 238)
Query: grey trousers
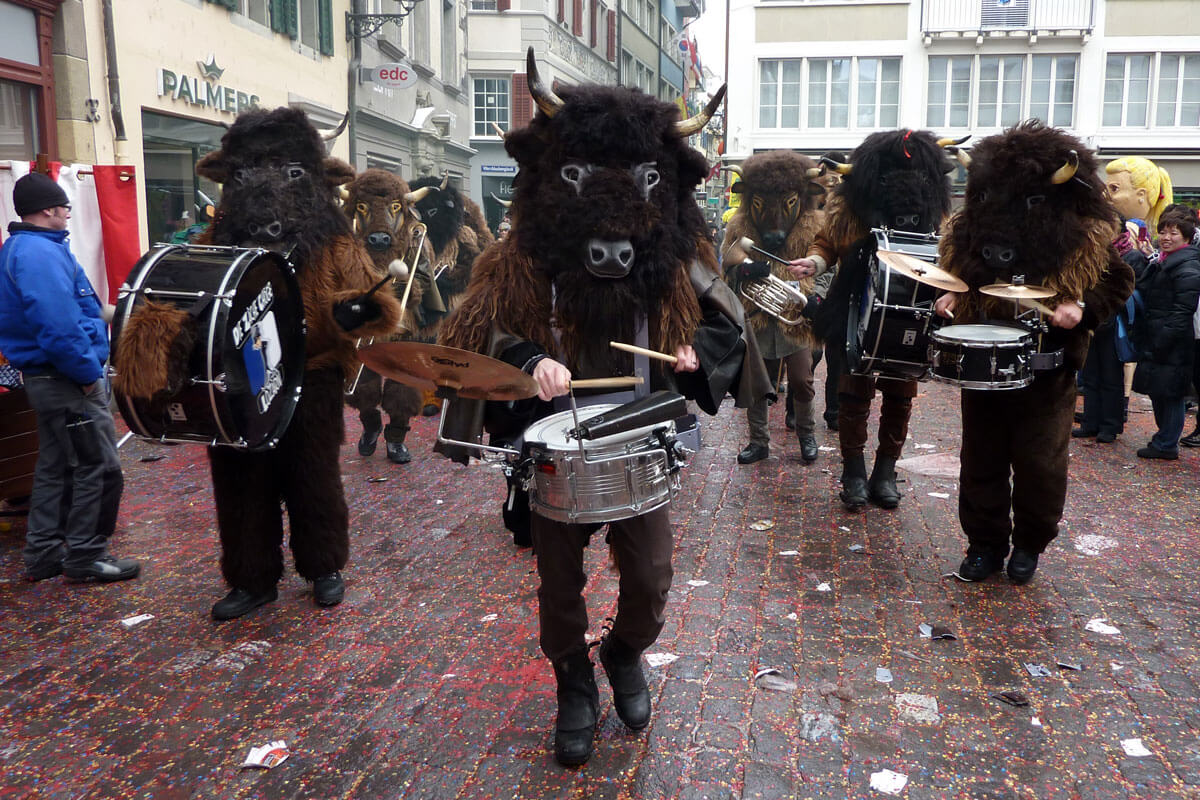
point(800, 386)
point(77, 483)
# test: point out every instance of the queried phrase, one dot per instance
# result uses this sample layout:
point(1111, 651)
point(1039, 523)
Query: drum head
point(552, 431)
point(980, 333)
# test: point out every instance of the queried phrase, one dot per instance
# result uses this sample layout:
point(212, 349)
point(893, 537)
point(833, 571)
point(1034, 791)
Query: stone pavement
point(427, 682)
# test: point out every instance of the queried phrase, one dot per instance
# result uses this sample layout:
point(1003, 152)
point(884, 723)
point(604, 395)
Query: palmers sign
point(198, 92)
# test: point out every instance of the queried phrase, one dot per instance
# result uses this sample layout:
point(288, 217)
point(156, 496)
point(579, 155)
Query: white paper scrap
point(789, 552)
point(856, 548)
point(919, 708)
point(888, 782)
point(132, 622)
point(660, 659)
point(926, 446)
point(267, 756)
point(825, 448)
point(824, 587)
point(1134, 748)
point(1099, 625)
point(926, 630)
point(1035, 722)
point(1091, 544)
point(843, 528)
point(883, 675)
point(697, 583)
point(792, 616)
point(489, 618)
point(939, 495)
point(762, 525)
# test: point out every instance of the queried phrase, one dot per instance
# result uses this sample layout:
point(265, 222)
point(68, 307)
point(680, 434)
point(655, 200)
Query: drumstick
point(746, 243)
point(1034, 304)
point(607, 383)
point(629, 348)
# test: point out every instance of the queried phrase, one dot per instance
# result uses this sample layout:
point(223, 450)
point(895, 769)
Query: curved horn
point(445, 182)
point(734, 168)
point(813, 172)
point(837, 166)
point(948, 142)
point(336, 132)
point(499, 131)
point(547, 101)
point(686, 127)
point(505, 203)
point(963, 157)
point(343, 192)
point(417, 195)
point(1067, 170)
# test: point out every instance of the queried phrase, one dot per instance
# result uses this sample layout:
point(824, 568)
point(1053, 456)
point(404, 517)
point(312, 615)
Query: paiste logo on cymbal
point(449, 362)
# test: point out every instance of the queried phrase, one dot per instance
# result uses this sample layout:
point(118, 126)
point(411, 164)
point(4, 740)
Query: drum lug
point(219, 384)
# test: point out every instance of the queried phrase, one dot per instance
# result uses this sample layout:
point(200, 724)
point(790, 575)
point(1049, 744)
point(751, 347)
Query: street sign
point(394, 74)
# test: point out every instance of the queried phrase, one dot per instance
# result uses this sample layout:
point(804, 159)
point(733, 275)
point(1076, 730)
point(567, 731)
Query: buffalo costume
point(896, 180)
point(1034, 208)
point(606, 240)
point(278, 192)
point(778, 213)
point(380, 208)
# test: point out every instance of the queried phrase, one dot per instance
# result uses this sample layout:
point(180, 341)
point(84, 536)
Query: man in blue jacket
point(52, 330)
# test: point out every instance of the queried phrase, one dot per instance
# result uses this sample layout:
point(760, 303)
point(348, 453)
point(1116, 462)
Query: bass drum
point(247, 363)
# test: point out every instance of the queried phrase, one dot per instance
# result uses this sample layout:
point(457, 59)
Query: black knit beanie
point(35, 192)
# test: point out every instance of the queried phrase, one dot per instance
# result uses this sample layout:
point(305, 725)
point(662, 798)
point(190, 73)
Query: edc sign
point(395, 75)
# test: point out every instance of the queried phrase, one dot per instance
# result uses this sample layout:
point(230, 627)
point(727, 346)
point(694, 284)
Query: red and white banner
point(104, 219)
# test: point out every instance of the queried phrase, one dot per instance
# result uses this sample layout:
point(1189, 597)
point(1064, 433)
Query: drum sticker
point(910, 337)
point(256, 334)
point(176, 413)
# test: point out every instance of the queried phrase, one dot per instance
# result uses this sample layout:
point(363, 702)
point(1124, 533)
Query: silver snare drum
point(982, 356)
point(610, 478)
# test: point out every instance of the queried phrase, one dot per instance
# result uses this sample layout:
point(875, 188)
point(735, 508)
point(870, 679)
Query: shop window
point(18, 121)
point(177, 199)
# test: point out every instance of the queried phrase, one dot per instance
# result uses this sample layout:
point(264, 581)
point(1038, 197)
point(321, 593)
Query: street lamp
point(359, 26)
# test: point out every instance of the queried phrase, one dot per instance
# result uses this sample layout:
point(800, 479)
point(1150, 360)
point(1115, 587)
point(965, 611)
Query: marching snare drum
point(983, 356)
point(247, 363)
point(888, 330)
point(599, 480)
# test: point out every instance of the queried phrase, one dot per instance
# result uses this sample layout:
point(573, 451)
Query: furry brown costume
point(278, 192)
point(1034, 207)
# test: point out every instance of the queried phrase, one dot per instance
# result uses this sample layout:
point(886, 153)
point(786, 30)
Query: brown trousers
point(1024, 435)
point(855, 393)
point(642, 547)
point(800, 388)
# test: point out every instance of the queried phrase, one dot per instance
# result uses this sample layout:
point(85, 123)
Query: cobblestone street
point(427, 681)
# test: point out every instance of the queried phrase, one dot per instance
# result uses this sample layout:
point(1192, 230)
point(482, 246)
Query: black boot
point(631, 696)
point(372, 423)
point(882, 486)
point(854, 482)
point(578, 709)
point(397, 453)
point(753, 452)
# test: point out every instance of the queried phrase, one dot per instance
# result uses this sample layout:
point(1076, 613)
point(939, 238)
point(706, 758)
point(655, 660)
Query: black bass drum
point(247, 363)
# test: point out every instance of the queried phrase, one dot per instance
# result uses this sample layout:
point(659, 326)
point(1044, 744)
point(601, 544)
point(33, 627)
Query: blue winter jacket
point(49, 312)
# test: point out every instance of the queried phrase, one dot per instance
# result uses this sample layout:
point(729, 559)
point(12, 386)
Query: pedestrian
point(52, 329)
point(1170, 289)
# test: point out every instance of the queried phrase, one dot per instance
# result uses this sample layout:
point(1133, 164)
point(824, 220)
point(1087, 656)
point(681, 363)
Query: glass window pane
point(839, 93)
point(768, 87)
point(818, 92)
point(18, 121)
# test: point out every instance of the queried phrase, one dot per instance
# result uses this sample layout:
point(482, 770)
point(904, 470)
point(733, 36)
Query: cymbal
point(460, 372)
point(1017, 291)
point(921, 271)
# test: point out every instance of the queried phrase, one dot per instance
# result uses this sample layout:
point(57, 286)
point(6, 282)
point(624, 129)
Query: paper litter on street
point(660, 659)
point(1100, 625)
point(134, 621)
point(939, 495)
point(888, 782)
point(267, 756)
point(883, 675)
point(1134, 748)
point(762, 525)
point(1037, 670)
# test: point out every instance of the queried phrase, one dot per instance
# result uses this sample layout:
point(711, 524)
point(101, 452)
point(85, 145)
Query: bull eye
point(431, 211)
point(791, 202)
point(1034, 200)
point(294, 172)
point(646, 176)
point(397, 206)
point(361, 208)
point(241, 175)
point(574, 175)
point(757, 204)
point(982, 196)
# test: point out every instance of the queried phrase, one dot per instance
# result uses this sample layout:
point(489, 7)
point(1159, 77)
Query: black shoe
point(328, 590)
point(1192, 439)
point(854, 483)
point(105, 570)
point(1079, 417)
point(47, 568)
point(979, 564)
point(397, 453)
point(1083, 433)
point(631, 695)
point(430, 410)
point(578, 710)
point(753, 452)
point(808, 448)
point(1105, 437)
point(789, 420)
point(1021, 565)
point(1150, 451)
point(831, 421)
point(881, 489)
point(366, 442)
point(240, 601)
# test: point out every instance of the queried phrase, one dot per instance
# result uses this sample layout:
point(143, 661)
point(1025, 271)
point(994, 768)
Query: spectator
point(52, 330)
point(1170, 289)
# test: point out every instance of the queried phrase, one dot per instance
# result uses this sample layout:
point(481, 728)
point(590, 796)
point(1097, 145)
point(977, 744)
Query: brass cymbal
point(1017, 291)
point(460, 372)
point(921, 271)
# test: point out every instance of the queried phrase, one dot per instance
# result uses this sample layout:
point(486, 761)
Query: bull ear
point(337, 171)
point(213, 167)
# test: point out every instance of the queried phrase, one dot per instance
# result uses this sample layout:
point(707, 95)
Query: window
point(483, 5)
point(309, 31)
point(878, 92)
point(1178, 91)
point(449, 74)
point(1000, 91)
point(827, 89)
point(829, 93)
point(18, 121)
point(1128, 79)
point(419, 28)
point(257, 10)
point(491, 105)
point(1127, 89)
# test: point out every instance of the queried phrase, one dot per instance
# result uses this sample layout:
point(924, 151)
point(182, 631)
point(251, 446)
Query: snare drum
point(247, 363)
point(983, 356)
point(888, 330)
point(610, 478)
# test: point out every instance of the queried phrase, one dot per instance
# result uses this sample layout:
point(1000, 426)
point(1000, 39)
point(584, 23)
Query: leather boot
point(578, 709)
point(881, 488)
point(854, 482)
point(631, 695)
point(397, 452)
point(372, 422)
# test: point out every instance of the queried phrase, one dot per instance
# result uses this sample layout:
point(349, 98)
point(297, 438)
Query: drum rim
point(1023, 337)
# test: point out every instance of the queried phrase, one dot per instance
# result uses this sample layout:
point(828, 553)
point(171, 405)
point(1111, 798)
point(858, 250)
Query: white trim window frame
point(997, 90)
point(841, 93)
point(1151, 90)
point(497, 88)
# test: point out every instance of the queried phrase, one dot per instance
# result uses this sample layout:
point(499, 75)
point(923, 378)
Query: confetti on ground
point(1099, 625)
point(1093, 544)
point(888, 782)
point(762, 525)
point(268, 756)
point(883, 675)
point(134, 621)
point(817, 726)
point(918, 708)
point(660, 659)
point(1134, 748)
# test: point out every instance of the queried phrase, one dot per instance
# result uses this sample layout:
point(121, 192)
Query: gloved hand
point(754, 270)
point(356, 312)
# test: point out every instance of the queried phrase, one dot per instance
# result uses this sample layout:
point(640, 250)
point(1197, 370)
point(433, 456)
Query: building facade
point(820, 75)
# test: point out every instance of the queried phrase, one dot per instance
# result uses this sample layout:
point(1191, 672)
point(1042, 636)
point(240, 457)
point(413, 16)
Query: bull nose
point(998, 256)
point(268, 232)
point(907, 222)
point(379, 242)
point(608, 258)
point(773, 240)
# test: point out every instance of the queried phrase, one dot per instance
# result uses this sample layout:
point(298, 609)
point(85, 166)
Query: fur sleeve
point(151, 355)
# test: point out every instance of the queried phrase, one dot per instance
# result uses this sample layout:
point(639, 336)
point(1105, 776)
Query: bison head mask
point(441, 209)
point(777, 188)
point(379, 205)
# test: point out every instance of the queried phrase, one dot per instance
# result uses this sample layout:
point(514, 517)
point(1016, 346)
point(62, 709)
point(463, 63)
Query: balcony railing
point(987, 16)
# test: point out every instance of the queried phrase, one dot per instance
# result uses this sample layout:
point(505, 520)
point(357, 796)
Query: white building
point(819, 75)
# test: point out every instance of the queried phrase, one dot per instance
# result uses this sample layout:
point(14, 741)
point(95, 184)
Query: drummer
point(1035, 208)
